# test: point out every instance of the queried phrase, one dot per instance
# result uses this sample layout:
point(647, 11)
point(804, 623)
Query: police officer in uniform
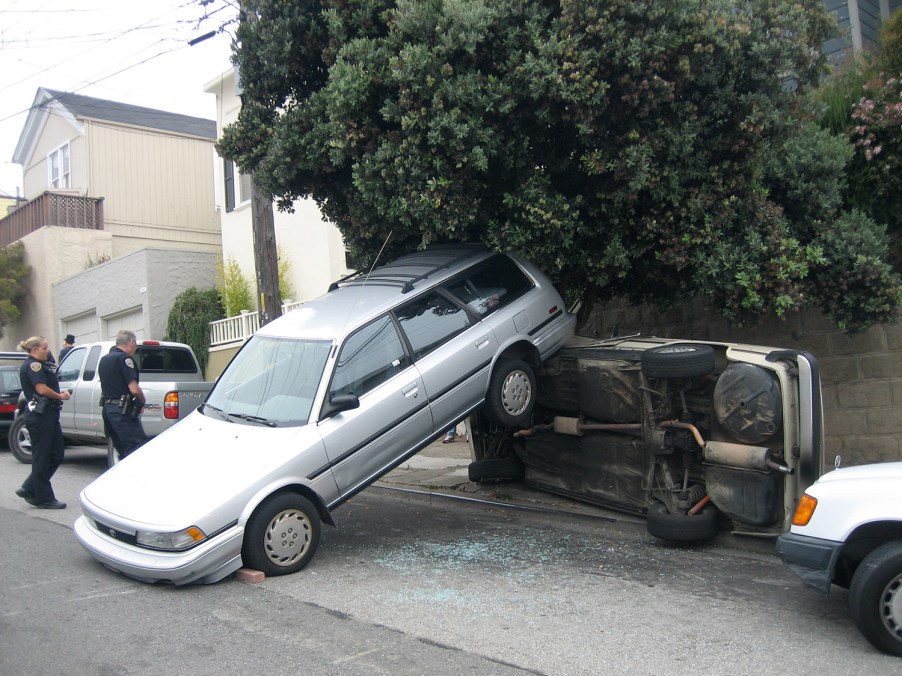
point(42, 420)
point(119, 382)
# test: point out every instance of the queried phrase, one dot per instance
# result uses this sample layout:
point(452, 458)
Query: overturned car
point(696, 436)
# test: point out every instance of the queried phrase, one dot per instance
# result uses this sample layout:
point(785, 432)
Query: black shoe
point(26, 496)
point(53, 504)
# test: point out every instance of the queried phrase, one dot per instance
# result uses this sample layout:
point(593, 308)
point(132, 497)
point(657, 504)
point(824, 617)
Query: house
point(859, 23)
point(105, 181)
point(313, 245)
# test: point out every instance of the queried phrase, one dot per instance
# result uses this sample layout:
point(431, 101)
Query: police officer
point(42, 420)
point(119, 381)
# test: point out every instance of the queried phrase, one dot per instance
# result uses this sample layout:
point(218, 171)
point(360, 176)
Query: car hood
point(882, 471)
point(198, 467)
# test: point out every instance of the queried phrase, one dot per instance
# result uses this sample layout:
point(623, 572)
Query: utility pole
point(266, 257)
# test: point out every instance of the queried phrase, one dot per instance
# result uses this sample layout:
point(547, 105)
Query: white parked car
point(320, 403)
point(847, 531)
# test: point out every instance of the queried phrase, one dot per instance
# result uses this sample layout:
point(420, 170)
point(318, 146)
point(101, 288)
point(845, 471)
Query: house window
point(237, 186)
point(58, 165)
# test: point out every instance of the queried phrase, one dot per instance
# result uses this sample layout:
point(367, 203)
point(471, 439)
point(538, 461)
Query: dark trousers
point(126, 434)
point(47, 451)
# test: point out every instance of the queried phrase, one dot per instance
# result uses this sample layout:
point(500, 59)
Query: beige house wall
point(861, 373)
point(42, 252)
point(57, 131)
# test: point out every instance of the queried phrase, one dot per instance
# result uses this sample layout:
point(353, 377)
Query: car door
point(88, 420)
point(452, 352)
point(392, 420)
point(68, 372)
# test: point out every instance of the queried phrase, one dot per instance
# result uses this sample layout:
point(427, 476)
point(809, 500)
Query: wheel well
point(862, 541)
point(524, 351)
point(312, 496)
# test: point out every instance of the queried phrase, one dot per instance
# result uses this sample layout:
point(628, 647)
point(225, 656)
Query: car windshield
point(271, 381)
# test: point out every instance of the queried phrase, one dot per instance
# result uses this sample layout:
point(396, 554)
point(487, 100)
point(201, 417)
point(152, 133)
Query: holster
point(40, 404)
point(130, 406)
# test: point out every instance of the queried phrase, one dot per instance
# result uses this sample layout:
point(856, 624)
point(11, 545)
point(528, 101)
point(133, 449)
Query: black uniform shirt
point(33, 372)
point(116, 371)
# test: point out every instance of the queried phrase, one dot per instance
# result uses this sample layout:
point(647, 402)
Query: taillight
point(7, 408)
point(171, 406)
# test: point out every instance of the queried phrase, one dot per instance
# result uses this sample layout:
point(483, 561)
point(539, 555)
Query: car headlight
point(178, 540)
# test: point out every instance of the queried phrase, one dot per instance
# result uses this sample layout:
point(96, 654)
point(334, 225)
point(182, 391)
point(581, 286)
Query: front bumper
point(208, 562)
point(812, 559)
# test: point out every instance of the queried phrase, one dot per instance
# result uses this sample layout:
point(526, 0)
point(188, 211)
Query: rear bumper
point(208, 562)
point(812, 559)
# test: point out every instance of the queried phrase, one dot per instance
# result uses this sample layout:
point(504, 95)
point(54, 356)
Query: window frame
point(236, 185)
point(60, 159)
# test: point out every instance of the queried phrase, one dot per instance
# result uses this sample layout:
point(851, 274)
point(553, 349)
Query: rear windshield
point(163, 359)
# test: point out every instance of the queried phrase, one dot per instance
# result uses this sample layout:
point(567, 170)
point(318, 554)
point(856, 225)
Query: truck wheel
point(19, 441)
point(282, 535)
point(112, 455)
point(512, 393)
point(681, 527)
point(678, 361)
point(496, 470)
point(875, 598)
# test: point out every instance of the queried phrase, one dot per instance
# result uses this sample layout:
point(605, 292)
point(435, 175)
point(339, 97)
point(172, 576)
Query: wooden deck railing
point(51, 208)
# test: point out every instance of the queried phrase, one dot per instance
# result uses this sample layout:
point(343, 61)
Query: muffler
point(744, 457)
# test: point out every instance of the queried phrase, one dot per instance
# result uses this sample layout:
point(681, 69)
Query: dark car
point(10, 386)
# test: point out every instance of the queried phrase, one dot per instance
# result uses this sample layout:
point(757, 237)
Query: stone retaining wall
point(861, 373)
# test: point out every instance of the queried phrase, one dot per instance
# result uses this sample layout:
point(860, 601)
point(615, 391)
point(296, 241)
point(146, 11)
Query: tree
point(14, 274)
point(631, 147)
point(189, 320)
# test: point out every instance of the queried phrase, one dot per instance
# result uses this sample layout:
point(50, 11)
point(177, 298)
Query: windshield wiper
point(218, 412)
point(253, 418)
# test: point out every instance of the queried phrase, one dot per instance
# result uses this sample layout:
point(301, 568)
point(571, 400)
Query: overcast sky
point(121, 50)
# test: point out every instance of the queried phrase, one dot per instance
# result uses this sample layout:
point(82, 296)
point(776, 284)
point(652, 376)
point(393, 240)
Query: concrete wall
point(140, 286)
point(861, 374)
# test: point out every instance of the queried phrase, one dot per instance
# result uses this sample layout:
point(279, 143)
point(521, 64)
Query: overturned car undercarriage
point(696, 436)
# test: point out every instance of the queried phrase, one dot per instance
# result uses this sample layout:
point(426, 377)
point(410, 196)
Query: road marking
point(357, 656)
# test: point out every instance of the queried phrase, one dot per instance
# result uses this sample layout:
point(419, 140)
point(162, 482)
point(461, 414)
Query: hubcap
point(516, 393)
point(24, 439)
point(891, 607)
point(287, 537)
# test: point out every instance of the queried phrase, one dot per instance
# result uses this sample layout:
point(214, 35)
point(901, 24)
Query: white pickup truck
point(847, 531)
point(170, 377)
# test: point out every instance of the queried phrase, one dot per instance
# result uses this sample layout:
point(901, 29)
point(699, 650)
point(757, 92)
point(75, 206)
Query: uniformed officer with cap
point(119, 382)
point(42, 420)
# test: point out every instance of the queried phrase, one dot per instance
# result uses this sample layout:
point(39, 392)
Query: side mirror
point(339, 403)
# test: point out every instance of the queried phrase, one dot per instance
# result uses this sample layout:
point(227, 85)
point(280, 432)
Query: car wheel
point(678, 361)
point(282, 535)
point(681, 527)
point(112, 455)
point(512, 393)
point(496, 470)
point(20, 441)
point(875, 598)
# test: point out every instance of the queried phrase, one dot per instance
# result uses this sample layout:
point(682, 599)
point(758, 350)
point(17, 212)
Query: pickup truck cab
point(847, 531)
point(170, 377)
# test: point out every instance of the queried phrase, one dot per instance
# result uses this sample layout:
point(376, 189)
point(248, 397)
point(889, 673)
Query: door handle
point(410, 390)
point(482, 342)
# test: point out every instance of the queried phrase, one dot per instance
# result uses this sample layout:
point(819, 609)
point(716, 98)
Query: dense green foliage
point(14, 274)
point(189, 320)
point(234, 288)
point(653, 150)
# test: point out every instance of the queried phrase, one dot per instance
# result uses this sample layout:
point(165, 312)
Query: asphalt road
point(420, 585)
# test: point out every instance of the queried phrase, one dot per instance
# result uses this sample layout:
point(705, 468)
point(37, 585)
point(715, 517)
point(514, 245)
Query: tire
point(681, 527)
point(678, 361)
point(112, 455)
point(19, 441)
point(496, 470)
point(282, 535)
point(875, 598)
point(512, 393)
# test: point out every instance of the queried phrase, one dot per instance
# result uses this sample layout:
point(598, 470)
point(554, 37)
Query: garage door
point(132, 320)
point(84, 327)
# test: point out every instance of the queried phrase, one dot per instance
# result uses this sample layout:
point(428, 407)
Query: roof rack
point(434, 258)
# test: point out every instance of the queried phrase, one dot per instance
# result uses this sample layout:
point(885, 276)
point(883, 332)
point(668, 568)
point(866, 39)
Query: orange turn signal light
point(804, 510)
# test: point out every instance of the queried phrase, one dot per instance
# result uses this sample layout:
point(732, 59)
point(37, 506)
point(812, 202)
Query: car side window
point(430, 321)
point(490, 285)
point(368, 358)
point(91, 363)
point(71, 365)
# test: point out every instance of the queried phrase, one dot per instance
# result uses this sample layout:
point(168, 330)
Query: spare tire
point(681, 527)
point(680, 360)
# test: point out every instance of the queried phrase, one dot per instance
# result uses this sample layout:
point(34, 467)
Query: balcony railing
point(51, 208)
point(241, 327)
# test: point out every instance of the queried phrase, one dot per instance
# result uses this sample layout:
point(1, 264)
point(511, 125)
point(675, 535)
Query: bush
point(234, 289)
point(189, 320)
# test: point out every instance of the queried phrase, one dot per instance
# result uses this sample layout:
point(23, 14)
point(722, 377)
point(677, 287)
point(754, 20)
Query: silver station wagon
point(320, 403)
